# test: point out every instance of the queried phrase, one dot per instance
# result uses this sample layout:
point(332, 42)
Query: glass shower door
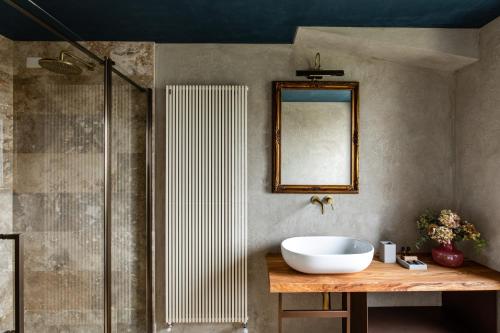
point(129, 246)
point(58, 190)
point(54, 189)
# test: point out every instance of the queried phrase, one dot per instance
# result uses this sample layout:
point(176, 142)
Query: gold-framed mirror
point(315, 137)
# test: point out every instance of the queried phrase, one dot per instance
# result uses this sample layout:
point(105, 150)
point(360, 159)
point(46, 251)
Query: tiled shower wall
point(58, 189)
point(6, 134)
point(58, 192)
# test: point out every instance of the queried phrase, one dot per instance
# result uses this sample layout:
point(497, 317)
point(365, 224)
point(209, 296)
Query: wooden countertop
point(380, 277)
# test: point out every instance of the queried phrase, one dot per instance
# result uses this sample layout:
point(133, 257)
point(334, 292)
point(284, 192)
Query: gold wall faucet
point(316, 200)
point(327, 200)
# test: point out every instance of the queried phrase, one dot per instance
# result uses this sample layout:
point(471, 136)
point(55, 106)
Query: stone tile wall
point(6, 139)
point(58, 189)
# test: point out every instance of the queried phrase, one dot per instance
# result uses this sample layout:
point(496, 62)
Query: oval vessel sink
point(327, 254)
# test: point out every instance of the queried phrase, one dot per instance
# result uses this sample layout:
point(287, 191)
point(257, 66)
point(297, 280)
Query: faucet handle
point(315, 199)
point(328, 200)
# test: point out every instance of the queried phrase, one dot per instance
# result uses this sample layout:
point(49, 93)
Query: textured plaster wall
point(406, 160)
point(434, 48)
point(478, 143)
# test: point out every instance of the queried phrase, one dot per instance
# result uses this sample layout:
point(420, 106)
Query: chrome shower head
point(62, 66)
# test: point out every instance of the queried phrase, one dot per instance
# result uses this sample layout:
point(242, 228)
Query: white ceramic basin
point(327, 254)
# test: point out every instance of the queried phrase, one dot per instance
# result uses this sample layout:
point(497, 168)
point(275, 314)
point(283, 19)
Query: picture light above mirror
point(317, 73)
point(315, 137)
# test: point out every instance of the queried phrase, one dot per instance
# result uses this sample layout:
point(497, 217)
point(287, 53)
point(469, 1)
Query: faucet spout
point(316, 200)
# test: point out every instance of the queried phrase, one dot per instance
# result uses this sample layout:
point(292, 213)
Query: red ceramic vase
point(447, 255)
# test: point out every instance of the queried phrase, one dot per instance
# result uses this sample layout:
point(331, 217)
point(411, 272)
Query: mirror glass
point(316, 136)
point(316, 143)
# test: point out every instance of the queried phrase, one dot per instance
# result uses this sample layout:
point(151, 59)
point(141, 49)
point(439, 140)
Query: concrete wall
point(478, 143)
point(433, 48)
point(406, 159)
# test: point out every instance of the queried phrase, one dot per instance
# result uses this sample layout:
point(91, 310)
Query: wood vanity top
point(380, 277)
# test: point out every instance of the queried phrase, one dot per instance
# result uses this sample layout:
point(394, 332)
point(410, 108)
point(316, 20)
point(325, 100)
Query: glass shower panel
point(129, 227)
point(58, 189)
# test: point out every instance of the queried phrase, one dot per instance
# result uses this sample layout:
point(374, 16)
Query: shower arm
point(90, 66)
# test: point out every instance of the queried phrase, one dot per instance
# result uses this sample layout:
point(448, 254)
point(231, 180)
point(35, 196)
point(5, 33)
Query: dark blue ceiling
point(239, 21)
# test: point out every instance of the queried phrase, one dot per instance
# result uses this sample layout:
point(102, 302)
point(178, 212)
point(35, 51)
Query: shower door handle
point(19, 279)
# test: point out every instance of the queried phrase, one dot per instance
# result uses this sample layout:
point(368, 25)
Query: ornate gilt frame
point(278, 187)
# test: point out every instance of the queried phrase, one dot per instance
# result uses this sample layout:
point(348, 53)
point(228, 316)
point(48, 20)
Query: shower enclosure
point(75, 163)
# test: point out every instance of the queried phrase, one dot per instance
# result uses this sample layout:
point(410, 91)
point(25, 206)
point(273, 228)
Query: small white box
point(388, 252)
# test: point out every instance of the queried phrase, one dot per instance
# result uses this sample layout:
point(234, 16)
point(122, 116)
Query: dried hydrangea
point(442, 235)
point(445, 228)
point(470, 232)
point(449, 219)
point(430, 228)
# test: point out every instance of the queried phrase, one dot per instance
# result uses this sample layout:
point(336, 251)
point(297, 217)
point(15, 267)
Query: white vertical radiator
point(206, 211)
